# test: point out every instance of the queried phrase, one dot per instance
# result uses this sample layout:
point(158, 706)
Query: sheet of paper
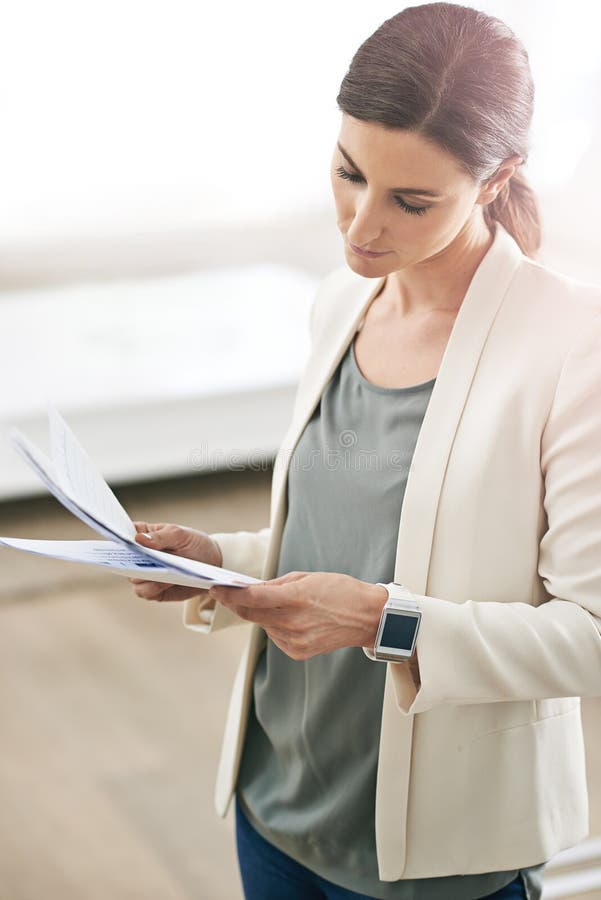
point(44, 469)
point(79, 478)
point(75, 481)
point(127, 561)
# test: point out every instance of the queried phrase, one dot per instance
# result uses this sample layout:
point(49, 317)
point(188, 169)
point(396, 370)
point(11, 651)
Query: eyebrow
point(425, 192)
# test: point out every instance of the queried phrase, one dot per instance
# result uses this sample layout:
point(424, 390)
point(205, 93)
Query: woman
point(445, 435)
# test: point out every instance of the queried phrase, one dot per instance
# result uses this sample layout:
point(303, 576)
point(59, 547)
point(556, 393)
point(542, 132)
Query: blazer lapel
point(474, 320)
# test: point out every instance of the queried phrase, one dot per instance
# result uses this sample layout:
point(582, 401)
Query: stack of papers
point(71, 476)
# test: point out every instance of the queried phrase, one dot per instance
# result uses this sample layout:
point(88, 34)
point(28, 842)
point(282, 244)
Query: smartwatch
point(399, 624)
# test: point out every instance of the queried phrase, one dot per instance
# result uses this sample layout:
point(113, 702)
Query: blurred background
point(165, 219)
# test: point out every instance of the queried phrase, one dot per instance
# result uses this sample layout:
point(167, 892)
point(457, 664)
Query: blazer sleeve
point(482, 652)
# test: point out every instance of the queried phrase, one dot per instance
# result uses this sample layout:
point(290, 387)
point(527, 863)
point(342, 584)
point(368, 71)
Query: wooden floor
point(112, 713)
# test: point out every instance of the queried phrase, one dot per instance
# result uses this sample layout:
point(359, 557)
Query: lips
point(368, 254)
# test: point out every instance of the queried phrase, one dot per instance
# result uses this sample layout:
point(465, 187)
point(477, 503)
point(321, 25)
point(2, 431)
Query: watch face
point(399, 630)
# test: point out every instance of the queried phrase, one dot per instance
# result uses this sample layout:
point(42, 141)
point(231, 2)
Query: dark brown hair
point(462, 79)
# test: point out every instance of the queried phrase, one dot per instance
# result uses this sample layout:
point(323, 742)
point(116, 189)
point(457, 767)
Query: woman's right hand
point(177, 539)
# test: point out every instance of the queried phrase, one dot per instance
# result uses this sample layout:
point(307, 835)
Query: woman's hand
point(186, 542)
point(307, 613)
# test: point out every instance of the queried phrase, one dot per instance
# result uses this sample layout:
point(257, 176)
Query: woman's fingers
point(161, 591)
point(163, 537)
point(149, 527)
point(172, 593)
point(151, 590)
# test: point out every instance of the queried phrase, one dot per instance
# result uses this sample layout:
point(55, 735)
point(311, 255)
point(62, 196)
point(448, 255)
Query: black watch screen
point(399, 630)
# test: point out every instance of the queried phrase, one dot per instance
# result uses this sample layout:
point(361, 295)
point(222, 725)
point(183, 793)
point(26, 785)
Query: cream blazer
point(482, 768)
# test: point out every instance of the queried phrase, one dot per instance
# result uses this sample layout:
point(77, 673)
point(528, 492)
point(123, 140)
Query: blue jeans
point(269, 874)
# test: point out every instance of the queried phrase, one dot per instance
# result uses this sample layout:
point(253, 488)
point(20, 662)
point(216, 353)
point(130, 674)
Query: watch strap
point(399, 596)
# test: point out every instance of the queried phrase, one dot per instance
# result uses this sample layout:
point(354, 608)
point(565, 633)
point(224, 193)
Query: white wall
point(121, 116)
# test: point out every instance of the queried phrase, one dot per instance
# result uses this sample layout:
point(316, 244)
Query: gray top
point(307, 779)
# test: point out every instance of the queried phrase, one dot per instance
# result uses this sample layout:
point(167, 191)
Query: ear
point(494, 185)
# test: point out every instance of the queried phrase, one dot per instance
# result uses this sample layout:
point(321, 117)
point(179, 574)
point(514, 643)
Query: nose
point(366, 228)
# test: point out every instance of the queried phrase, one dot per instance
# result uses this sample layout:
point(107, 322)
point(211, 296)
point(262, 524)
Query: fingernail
point(146, 535)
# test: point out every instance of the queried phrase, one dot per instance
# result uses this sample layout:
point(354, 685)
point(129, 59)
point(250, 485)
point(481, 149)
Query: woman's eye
point(355, 179)
point(344, 174)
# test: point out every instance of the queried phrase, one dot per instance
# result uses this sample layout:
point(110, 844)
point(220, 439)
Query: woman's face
point(375, 214)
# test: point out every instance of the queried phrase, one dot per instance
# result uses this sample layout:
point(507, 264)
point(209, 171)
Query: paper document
point(111, 555)
point(44, 469)
point(72, 477)
point(78, 477)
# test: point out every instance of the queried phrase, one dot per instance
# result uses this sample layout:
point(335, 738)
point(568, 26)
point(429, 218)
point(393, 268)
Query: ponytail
point(516, 208)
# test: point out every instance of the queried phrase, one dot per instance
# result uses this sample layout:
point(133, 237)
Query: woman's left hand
point(307, 613)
